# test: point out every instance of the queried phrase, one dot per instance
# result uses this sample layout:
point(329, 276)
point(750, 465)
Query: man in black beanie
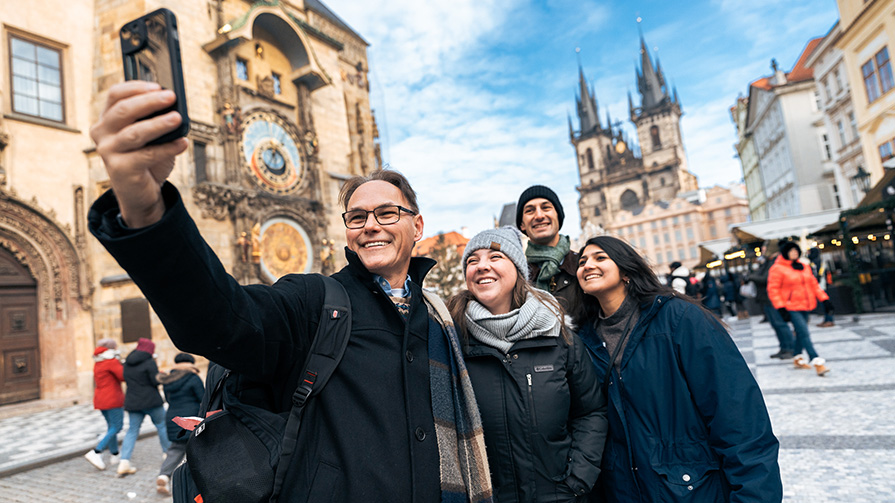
point(539, 215)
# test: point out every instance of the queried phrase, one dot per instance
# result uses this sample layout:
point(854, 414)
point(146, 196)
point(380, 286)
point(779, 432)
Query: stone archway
point(35, 244)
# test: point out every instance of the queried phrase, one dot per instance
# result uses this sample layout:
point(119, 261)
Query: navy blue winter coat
point(687, 421)
point(184, 390)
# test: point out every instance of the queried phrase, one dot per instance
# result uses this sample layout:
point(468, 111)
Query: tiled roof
point(425, 246)
point(800, 72)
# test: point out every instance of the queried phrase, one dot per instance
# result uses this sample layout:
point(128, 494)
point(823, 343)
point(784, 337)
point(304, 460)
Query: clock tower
point(618, 174)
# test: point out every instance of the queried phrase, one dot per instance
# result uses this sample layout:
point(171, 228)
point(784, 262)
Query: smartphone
point(150, 48)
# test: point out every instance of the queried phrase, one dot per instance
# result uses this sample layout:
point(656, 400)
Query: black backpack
point(241, 453)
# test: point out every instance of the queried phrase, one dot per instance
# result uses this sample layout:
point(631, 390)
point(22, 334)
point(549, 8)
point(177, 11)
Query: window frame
point(248, 73)
point(875, 85)
point(59, 49)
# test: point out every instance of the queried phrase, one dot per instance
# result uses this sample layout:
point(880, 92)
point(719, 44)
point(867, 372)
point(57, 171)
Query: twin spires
point(650, 82)
point(587, 105)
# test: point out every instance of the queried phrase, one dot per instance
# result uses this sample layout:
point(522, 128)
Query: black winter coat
point(184, 390)
point(370, 435)
point(687, 421)
point(543, 415)
point(140, 373)
point(564, 285)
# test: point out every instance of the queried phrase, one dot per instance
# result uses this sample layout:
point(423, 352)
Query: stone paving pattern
point(837, 433)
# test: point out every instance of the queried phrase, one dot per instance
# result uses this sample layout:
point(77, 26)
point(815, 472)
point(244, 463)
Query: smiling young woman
point(543, 414)
point(687, 421)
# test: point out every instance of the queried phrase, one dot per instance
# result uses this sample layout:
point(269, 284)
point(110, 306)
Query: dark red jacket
point(108, 373)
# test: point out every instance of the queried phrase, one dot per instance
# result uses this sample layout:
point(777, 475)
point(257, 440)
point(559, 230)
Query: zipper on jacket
point(531, 401)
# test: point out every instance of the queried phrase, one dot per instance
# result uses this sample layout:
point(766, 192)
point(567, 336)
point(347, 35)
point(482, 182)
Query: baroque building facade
point(278, 98)
point(616, 175)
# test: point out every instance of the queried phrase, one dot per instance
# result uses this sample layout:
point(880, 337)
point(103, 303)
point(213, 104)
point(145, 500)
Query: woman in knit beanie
point(543, 412)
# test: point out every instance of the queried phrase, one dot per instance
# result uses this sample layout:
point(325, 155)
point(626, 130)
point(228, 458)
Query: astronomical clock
point(269, 149)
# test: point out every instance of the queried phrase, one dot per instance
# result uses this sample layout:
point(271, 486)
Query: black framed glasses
point(384, 215)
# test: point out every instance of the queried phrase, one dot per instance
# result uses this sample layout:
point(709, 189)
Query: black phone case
point(173, 43)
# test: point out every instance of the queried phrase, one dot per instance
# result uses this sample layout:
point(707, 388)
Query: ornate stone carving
point(42, 246)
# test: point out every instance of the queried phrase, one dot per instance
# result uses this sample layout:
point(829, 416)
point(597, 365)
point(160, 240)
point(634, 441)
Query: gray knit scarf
point(548, 258)
point(501, 331)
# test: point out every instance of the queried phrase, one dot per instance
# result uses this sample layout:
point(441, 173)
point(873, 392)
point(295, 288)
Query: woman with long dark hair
point(687, 421)
point(543, 412)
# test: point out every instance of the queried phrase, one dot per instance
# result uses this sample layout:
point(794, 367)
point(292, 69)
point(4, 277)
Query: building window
point(827, 91)
point(877, 73)
point(135, 320)
point(666, 237)
point(713, 232)
point(658, 258)
point(652, 224)
point(669, 257)
point(854, 124)
point(642, 242)
point(693, 252)
point(680, 254)
point(590, 159)
point(596, 212)
point(836, 195)
point(816, 100)
point(242, 69)
point(885, 151)
point(838, 79)
point(639, 227)
point(654, 135)
point(36, 79)
point(825, 141)
point(674, 220)
point(689, 233)
point(200, 160)
point(677, 236)
point(841, 128)
point(687, 218)
point(277, 87)
point(727, 212)
point(656, 239)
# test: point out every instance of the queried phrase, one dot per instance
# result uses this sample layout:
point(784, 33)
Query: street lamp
point(862, 178)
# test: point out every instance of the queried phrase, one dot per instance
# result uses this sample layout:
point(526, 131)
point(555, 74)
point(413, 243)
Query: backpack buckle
point(304, 389)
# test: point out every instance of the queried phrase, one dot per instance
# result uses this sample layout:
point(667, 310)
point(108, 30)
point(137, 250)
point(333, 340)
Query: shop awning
point(779, 228)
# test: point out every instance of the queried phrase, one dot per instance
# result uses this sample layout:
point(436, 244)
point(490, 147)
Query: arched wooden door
point(19, 341)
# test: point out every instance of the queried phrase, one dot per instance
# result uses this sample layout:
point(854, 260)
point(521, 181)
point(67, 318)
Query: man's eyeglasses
point(385, 215)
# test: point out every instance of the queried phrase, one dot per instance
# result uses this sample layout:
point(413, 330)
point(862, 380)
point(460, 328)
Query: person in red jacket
point(794, 292)
point(108, 373)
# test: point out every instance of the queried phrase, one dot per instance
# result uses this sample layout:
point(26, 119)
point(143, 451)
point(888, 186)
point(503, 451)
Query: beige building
point(279, 102)
point(867, 31)
point(745, 147)
point(840, 141)
point(669, 231)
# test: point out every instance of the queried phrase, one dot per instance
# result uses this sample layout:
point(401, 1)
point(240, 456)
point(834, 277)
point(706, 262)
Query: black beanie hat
point(534, 192)
point(787, 246)
point(184, 357)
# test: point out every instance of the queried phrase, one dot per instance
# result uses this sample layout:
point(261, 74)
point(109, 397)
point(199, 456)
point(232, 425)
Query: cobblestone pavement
point(837, 433)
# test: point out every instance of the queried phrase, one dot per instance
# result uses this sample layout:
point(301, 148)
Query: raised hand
point(137, 171)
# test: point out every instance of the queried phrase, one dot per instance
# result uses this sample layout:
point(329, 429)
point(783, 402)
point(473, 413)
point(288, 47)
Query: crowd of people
point(560, 375)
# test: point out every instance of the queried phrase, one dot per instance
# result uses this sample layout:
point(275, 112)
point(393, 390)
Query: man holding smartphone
point(371, 434)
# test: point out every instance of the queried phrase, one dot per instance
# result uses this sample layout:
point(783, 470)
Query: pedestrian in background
point(687, 421)
point(142, 399)
point(183, 391)
point(708, 291)
point(543, 411)
point(781, 328)
point(794, 293)
point(819, 269)
point(108, 374)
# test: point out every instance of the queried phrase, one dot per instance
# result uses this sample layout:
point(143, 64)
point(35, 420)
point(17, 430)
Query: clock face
point(270, 152)
point(620, 147)
point(285, 249)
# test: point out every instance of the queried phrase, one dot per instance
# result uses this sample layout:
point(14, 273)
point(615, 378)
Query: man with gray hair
point(400, 388)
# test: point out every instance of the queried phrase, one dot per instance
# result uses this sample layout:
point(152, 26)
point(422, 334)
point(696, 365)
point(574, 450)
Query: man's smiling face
point(540, 222)
point(384, 249)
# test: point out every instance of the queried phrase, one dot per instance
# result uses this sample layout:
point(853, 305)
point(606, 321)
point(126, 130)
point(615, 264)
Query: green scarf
point(548, 258)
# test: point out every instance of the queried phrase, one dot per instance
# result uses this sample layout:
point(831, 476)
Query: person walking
point(709, 295)
point(781, 328)
point(794, 292)
point(371, 434)
point(108, 374)
point(687, 421)
point(543, 412)
point(183, 391)
point(142, 399)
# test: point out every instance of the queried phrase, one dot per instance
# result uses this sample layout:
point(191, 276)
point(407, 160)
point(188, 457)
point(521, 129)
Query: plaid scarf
point(549, 258)
point(465, 477)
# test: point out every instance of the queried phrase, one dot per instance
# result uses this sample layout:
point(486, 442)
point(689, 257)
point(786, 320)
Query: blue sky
point(471, 96)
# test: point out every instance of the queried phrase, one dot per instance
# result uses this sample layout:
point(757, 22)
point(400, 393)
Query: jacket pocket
point(687, 468)
point(327, 480)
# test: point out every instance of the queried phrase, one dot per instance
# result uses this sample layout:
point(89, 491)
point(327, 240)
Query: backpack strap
point(330, 341)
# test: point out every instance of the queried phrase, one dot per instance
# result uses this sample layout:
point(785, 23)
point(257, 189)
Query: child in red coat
point(108, 398)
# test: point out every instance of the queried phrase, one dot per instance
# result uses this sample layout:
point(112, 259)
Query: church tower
point(614, 175)
point(658, 123)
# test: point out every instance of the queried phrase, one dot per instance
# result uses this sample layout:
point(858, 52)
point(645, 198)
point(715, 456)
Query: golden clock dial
point(620, 147)
point(269, 148)
point(285, 249)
